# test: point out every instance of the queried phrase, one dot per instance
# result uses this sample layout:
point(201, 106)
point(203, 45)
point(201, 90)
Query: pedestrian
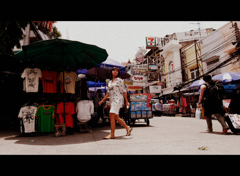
point(234, 104)
point(115, 88)
point(211, 103)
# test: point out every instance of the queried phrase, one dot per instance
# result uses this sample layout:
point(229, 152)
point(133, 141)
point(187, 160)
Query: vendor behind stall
point(85, 112)
point(96, 99)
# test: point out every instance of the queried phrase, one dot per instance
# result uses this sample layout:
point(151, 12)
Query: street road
point(164, 135)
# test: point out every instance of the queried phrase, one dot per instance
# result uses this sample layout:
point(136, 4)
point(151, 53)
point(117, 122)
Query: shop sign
point(155, 89)
point(150, 41)
point(140, 68)
point(138, 78)
point(130, 87)
point(140, 97)
point(152, 67)
point(128, 82)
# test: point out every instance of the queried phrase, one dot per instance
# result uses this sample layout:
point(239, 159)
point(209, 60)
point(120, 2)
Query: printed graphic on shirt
point(28, 115)
point(32, 74)
point(48, 79)
point(31, 81)
point(68, 80)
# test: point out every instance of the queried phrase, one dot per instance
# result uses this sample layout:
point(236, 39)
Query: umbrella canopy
point(62, 53)
point(103, 70)
point(227, 77)
point(196, 84)
point(110, 63)
point(98, 84)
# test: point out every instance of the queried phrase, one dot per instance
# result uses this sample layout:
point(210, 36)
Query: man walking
point(212, 103)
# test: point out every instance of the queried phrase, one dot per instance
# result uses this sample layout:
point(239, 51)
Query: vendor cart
point(140, 108)
point(169, 109)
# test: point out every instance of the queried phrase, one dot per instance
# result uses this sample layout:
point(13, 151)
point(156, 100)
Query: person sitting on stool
point(85, 112)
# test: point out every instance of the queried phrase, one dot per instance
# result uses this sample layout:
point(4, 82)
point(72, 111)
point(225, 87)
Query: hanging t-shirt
point(70, 79)
point(27, 113)
point(31, 76)
point(49, 81)
point(69, 111)
point(45, 115)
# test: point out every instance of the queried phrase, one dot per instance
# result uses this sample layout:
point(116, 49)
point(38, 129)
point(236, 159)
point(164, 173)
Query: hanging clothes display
point(184, 101)
point(49, 81)
point(69, 111)
point(31, 82)
point(27, 114)
point(70, 79)
point(45, 115)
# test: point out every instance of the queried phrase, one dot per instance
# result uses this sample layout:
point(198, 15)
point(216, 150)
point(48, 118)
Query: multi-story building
point(228, 36)
point(179, 52)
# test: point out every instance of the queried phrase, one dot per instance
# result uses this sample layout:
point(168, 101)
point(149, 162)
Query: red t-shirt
point(69, 111)
point(49, 81)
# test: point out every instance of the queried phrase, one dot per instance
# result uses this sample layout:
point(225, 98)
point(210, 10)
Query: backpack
point(214, 92)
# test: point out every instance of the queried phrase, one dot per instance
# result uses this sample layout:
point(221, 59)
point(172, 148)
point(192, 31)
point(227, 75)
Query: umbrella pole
point(63, 100)
point(63, 88)
point(95, 81)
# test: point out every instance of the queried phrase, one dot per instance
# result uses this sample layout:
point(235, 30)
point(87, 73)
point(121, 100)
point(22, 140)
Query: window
point(194, 73)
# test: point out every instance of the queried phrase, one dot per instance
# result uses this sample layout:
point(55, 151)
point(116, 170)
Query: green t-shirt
point(45, 115)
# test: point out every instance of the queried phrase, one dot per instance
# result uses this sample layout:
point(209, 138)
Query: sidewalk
point(164, 135)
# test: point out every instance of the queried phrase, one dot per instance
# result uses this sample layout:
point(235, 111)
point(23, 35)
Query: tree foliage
point(11, 32)
point(54, 34)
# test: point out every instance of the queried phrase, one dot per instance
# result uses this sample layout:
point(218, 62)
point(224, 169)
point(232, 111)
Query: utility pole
point(196, 56)
point(237, 32)
point(199, 26)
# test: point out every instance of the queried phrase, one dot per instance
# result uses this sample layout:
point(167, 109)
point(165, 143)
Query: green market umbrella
point(63, 54)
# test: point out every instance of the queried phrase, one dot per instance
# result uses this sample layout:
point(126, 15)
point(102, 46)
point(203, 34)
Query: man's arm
point(203, 88)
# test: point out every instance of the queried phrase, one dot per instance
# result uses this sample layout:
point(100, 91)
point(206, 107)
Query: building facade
point(34, 31)
point(181, 53)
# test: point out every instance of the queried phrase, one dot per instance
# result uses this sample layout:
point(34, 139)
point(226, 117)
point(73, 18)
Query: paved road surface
point(164, 135)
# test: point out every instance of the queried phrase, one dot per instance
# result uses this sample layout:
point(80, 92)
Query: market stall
point(55, 62)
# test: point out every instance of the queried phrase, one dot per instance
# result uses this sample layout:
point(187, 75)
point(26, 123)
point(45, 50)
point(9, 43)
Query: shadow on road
point(96, 134)
point(220, 133)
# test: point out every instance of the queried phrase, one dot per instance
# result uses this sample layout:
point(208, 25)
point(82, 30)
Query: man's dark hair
point(85, 97)
point(207, 78)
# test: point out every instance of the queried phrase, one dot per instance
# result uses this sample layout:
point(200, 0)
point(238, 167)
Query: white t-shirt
point(27, 113)
point(84, 109)
point(31, 76)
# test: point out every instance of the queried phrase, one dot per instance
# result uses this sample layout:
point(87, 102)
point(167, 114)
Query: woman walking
point(115, 88)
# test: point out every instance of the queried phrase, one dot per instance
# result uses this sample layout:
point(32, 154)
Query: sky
point(122, 39)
